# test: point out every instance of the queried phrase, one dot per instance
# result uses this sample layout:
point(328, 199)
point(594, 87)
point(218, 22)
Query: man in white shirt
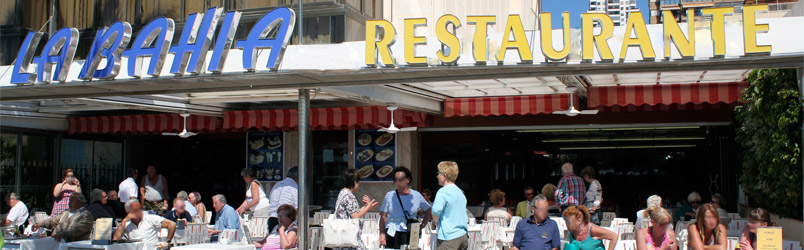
point(145, 227)
point(284, 192)
point(128, 188)
point(18, 213)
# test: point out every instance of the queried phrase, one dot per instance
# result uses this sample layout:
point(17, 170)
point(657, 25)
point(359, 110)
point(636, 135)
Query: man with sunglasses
point(538, 232)
point(523, 207)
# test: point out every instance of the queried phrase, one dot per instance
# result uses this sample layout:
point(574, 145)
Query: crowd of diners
point(143, 210)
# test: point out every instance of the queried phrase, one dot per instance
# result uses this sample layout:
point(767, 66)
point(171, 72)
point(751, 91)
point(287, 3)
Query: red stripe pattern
point(667, 94)
point(141, 124)
point(671, 107)
point(340, 118)
point(506, 105)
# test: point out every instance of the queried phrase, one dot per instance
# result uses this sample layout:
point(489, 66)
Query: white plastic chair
point(735, 227)
point(609, 215)
point(315, 238)
point(626, 245)
point(475, 240)
point(791, 245)
point(514, 221)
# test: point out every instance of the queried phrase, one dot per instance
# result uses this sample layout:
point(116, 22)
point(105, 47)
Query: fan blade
point(589, 112)
point(187, 134)
point(170, 134)
point(560, 112)
point(408, 129)
point(382, 130)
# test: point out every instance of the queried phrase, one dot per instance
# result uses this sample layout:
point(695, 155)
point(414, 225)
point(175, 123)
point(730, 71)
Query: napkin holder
point(103, 231)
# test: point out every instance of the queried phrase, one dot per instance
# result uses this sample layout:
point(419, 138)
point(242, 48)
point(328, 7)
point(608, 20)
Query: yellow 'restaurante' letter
point(520, 42)
point(479, 45)
point(448, 39)
point(588, 37)
point(383, 45)
point(546, 31)
point(674, 35)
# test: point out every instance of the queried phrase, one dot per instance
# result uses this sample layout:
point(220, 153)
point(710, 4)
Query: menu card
point(264, 154)
point(103, 231)
point(769, 238)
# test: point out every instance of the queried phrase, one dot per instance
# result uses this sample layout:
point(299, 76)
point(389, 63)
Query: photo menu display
point(375, 155)
point(265, 155)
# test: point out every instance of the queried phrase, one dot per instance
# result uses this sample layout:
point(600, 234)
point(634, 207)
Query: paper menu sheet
point(769, 238)
point(103, 229)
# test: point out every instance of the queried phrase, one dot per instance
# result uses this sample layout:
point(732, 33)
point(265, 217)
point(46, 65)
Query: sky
point(576, 7)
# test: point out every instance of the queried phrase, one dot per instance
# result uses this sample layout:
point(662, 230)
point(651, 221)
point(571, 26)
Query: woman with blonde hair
point(707, 233)
point(658, 236)
point(585, 235)
point(549, 192)
point(498, 208)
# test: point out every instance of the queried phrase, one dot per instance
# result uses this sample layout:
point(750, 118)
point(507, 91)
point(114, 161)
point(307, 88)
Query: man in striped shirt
point(571, 189)
point(283, 192)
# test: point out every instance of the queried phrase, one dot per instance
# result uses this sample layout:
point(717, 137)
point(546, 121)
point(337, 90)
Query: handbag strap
point(338, 203)
point(405, 212)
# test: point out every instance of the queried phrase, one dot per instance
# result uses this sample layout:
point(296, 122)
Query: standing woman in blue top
point(585, 235)
point(398, 208)
point(450, 208)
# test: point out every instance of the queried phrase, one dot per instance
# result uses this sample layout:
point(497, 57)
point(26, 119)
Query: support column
point(801, 102)
point(304, 164)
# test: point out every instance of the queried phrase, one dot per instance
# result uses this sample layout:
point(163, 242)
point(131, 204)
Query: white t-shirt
point(18, 214)
point(146, 231)
point(128, 188)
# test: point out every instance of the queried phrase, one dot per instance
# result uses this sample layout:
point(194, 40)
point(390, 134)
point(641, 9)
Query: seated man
point(114, 202)
point(97, 206)
point(18, 213)
point(187, 205)
point(178, 212)
point(145, 227)
point(226, 217)
point(71, 225)
point(538, 232)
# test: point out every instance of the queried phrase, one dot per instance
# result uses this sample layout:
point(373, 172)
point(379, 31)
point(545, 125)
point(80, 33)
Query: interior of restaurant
point(631, 163)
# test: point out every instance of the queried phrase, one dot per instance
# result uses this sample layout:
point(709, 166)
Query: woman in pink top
point(659, 236)
point(285, 235)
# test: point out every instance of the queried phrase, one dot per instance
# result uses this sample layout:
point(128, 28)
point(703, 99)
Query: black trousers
point(272, 222)
point(401, 238)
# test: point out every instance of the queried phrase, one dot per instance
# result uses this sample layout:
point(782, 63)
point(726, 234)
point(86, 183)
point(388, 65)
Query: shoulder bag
point(340, 232)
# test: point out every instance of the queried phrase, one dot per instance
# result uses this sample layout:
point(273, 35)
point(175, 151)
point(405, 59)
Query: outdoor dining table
point(87, 245)
point(215, 246)
point(32, 243)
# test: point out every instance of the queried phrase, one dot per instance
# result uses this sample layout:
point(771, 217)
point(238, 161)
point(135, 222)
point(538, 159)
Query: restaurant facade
point(201, 92)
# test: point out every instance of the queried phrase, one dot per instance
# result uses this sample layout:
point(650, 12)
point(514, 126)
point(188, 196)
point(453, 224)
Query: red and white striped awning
point(141, 124)
point(671, 107)
point(506, 105)
point(339, 118)
point(667, 94)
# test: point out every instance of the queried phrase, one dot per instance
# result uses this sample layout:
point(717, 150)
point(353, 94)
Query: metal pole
point(304, 143)
point(52, 27)
point(301, 21)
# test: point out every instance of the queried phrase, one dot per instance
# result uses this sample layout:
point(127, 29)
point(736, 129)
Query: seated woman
point(585, 235)
point(549, 191)
point(284, 236)
point(756, 219)
point(658, 236)
point(498, 208)
point(707, 233)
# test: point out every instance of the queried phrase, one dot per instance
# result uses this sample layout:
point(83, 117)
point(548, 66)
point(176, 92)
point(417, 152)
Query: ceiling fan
point(392, 128)
point(572, 111)
point(184, 133)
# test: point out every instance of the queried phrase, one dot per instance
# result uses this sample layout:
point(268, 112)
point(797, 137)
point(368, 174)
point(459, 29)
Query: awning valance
point(141, 124)
point(671, 107)
point(370, 117)
point(666, 94)
point(506, 105)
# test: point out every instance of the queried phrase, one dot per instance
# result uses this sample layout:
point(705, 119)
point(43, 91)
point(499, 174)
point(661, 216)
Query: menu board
point(265, 155)
point(375, 155)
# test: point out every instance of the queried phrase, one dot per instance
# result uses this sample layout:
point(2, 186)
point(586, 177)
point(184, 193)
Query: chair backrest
point(315, 238)
point(514, 221)
point(734, 216)
point(626, 245)
point(502, 221)
point(617, 221)
point(371, 216)
point(791, 245)
point(207, 217)
point(609, 215)
point(258, 227)
point(475, 240)
point(737, 225)
point(489, 231)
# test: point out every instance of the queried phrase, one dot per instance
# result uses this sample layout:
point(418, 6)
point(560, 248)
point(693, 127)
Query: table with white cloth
point(32, 243)
point(215, 246)
point(85, 244)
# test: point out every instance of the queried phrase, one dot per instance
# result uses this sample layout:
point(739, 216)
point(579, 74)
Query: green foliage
point(769, 131)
